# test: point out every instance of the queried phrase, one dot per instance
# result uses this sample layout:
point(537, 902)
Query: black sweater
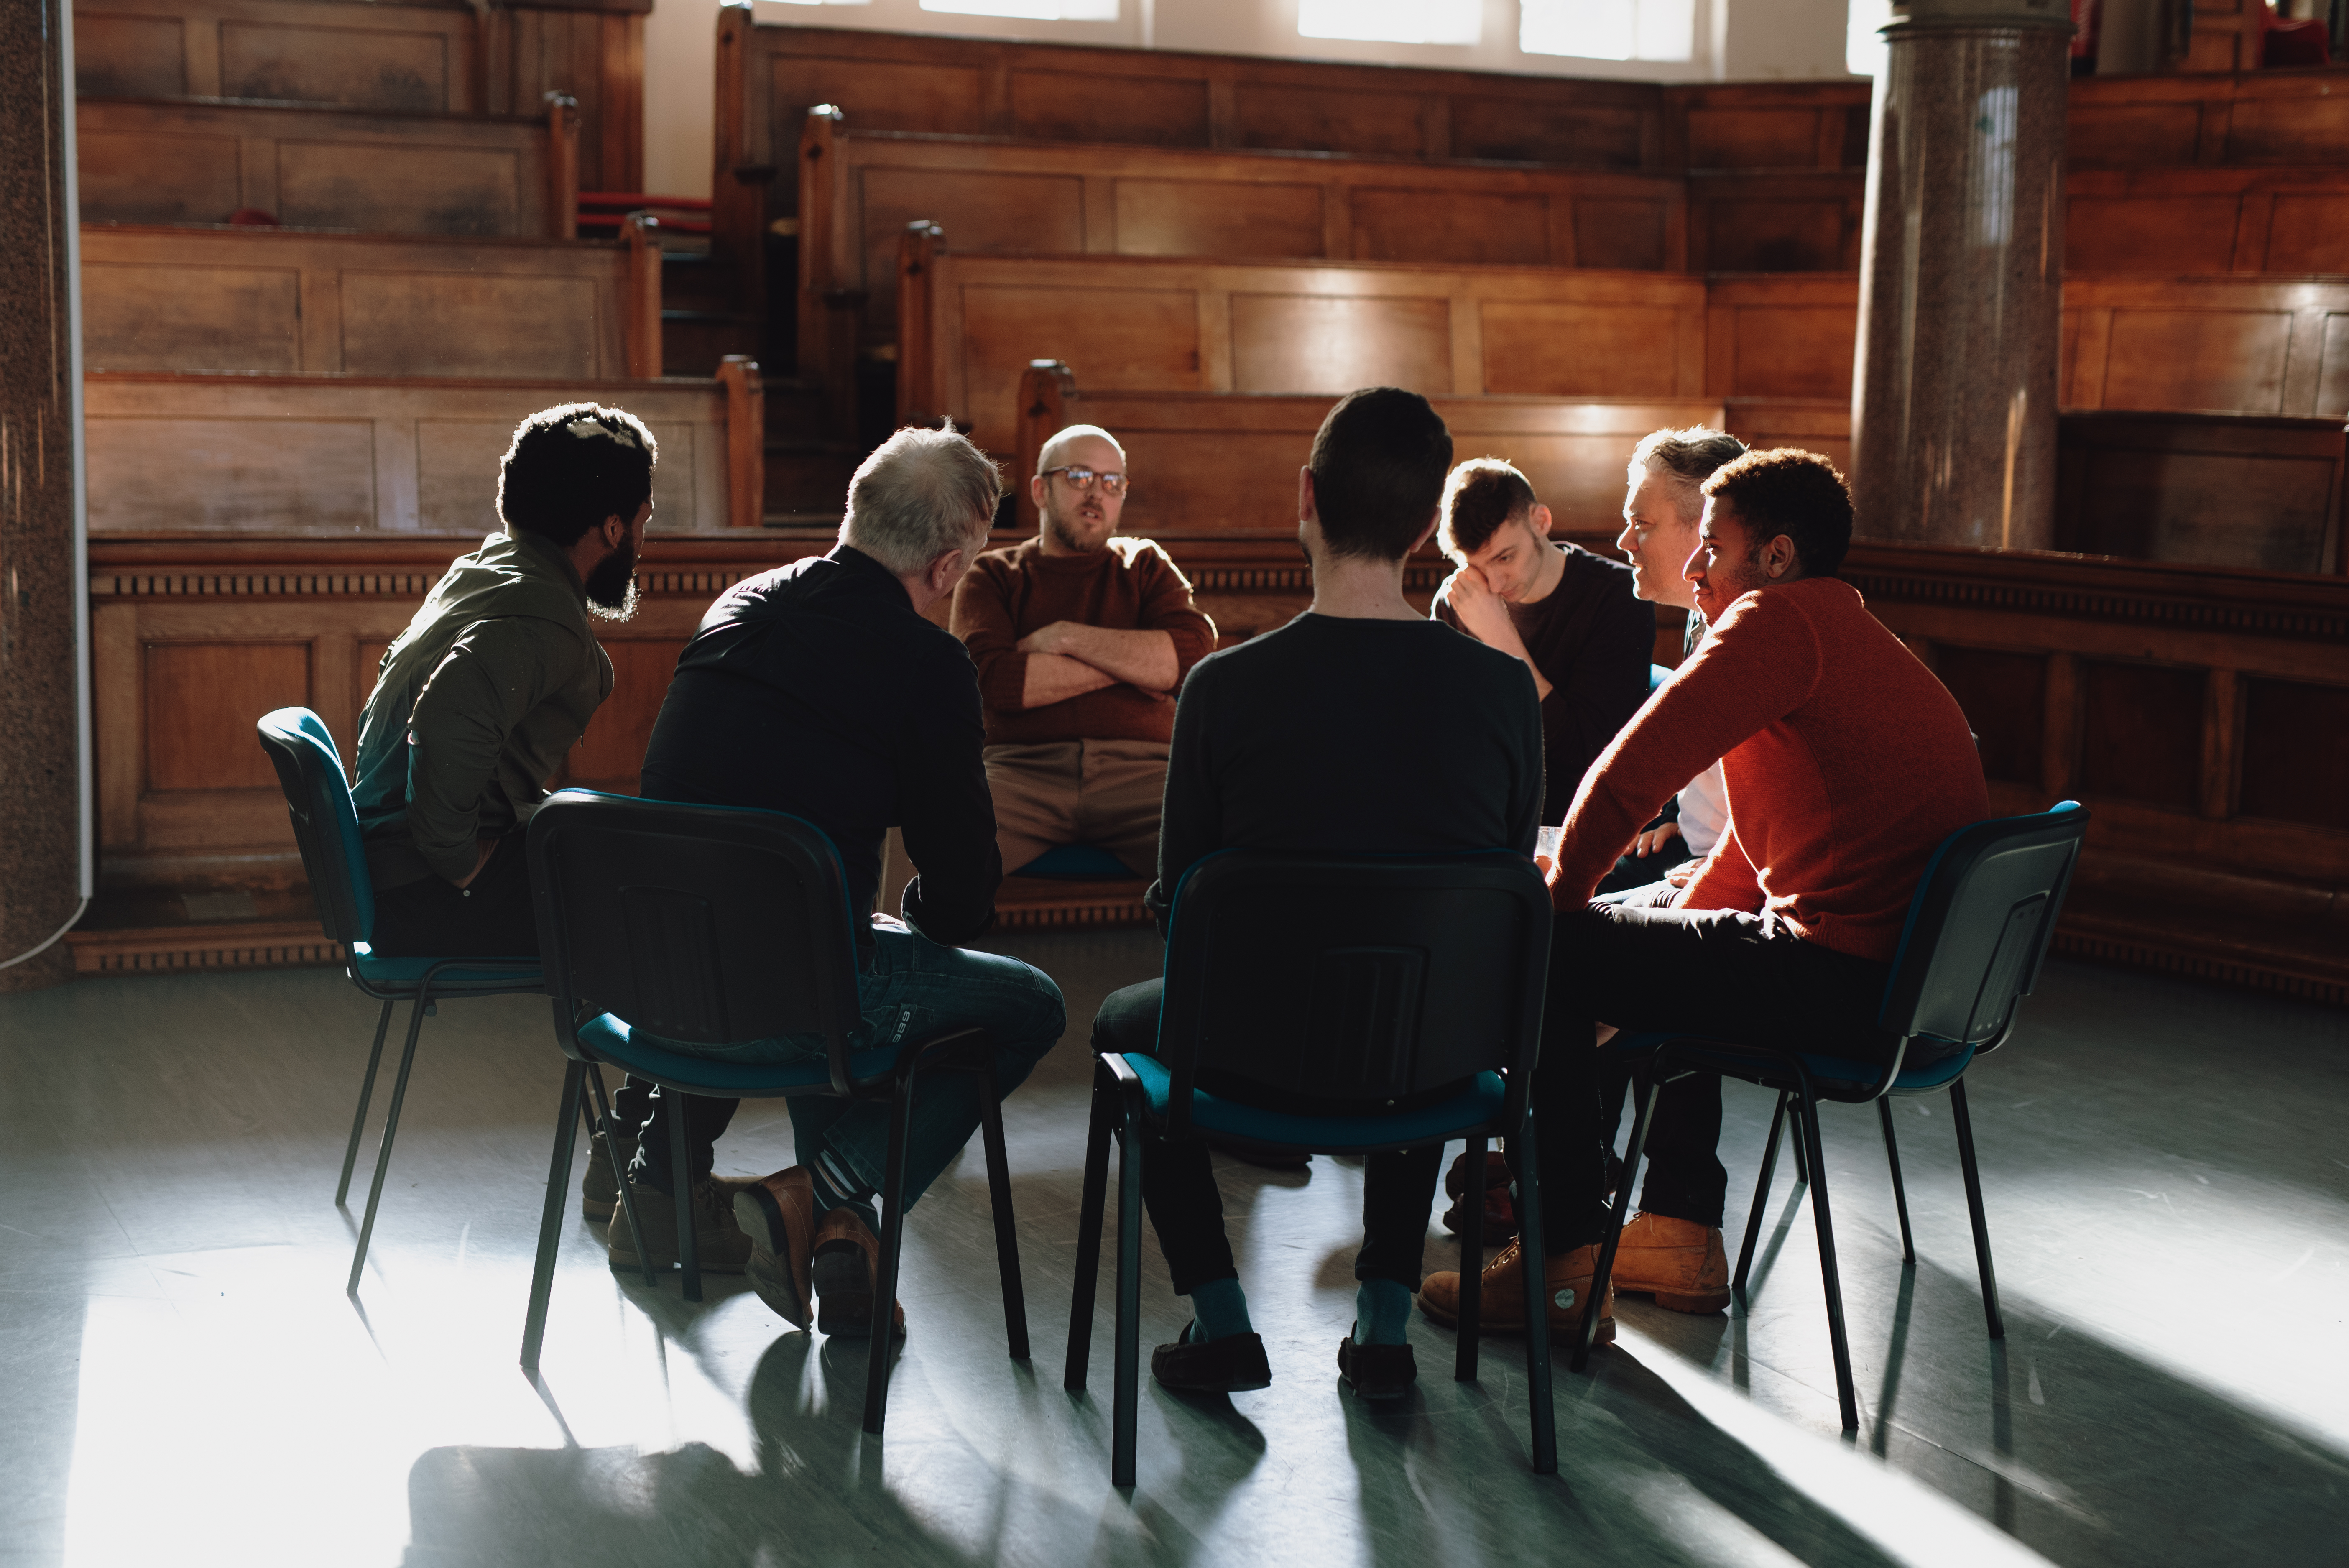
point(814, 689)
point(1342, 736)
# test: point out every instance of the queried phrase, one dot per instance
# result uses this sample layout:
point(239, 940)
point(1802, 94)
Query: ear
point(1307, 511)
point(615, 530)
point(1537, 520)
point(1035, 489)
point(944, 570)
point(1779, 558)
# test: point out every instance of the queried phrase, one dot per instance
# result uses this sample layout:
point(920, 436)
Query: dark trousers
point(491, 917)
point(1723, 973)
point(1178, 1180)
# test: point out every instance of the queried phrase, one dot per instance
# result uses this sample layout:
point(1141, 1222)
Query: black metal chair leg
point(1975, 1208)
point(1647, 1084)
point(1899, 1190)
point(1802, 1161)
point(688, 1233)
point(1807, 1126)
point(1472, 1262)
point(390, 1130)
point(620, 1175)
point(1100, 1135)
point(884, 1326)
point(1761, 1199)
point(1007, 1232)
point(367, 1092)
point(550, 1223)
point(1126, 1377)
point(1539, 1393)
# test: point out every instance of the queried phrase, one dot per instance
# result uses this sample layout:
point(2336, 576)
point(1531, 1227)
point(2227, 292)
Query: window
point(1392, 21)
point(1862, 47)
point(1611, 29)
point(1030, 10)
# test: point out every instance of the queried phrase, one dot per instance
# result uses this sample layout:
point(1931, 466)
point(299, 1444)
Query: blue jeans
point(914, 988)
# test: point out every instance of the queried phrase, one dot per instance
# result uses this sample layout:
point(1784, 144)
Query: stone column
point(1960, 280)
point(39, 585)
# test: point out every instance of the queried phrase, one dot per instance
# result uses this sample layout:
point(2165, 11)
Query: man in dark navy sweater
point(821, 689)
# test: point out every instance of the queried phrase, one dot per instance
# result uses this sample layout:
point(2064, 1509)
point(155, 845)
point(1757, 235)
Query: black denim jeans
point(1178, 1180)
point(1732, 976)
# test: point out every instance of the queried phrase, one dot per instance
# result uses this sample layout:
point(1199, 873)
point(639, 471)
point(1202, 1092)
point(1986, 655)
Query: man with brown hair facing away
point(1846, 764)
point(1081, 639)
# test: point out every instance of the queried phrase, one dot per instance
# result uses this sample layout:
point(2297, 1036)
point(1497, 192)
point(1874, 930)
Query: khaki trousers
point(1106, 793)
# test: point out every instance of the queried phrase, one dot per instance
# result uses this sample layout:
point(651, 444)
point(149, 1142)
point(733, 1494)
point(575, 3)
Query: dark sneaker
point(599, 1189)
point(847, 1257)
point(1377, 1371)
point(1231, 1364)
point(779, 1216)
point(722, 1246)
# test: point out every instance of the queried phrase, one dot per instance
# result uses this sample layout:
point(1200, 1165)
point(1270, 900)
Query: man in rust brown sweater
point(1081, 640)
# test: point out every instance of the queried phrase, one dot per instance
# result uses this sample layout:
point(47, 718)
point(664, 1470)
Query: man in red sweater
point(1081, 639)
point(1846, 765)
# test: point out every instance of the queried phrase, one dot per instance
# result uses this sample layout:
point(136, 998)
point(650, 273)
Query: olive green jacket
point(473, 708)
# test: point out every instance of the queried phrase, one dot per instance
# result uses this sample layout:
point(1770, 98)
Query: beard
point(611, 588)
point(1064, 530)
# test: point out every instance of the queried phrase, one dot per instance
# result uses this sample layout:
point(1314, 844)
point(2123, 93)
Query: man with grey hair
point(1081, 640)
point(821, 688)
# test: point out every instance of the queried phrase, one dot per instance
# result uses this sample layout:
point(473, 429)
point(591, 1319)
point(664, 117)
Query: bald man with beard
point(1081, 638)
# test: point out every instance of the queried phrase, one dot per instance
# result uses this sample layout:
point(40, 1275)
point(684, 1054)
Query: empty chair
point(326, 827)
point(1353, 981)
point(713, 925)
point(1977, 932)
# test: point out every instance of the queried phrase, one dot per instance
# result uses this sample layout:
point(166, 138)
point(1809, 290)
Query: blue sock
point(1381, 1312)
point(1219, 1310)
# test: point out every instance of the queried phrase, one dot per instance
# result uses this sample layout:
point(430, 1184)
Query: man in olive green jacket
point(494, 682)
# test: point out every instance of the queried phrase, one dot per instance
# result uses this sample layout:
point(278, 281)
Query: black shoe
point(1377, 1371)
point(1227, 1366)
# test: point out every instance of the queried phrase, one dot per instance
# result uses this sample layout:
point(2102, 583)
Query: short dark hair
point(1788, 491)
point(1481, 493)
point(572, 466)
point(1378, 463)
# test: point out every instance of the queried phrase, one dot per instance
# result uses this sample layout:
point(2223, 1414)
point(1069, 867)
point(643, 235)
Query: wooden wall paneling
point(1776, 222)
point(1822, 425)
point(2229, 491)
point(2004, 696)
point(2293, 741)
point(334, 455)
point(1773, 126)
point(2239, 343)
point(2288, 220)
point(197, 164)
point(240, 299)
point(412, 57)
point(1781, 336)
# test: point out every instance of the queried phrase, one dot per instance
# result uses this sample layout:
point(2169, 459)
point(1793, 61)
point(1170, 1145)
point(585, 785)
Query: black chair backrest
point(1980, 926)
point(710, 925)
point(325, 825)
point(1356, 979)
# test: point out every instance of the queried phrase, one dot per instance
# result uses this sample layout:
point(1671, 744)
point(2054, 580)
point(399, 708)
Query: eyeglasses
point(1112, 485)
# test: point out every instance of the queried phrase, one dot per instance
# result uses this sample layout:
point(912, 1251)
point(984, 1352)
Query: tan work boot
point(846, 1258)
point(1678, 1262)
point(722, 1247)
point(779, 1216)
point(1502, 1308)
point(599, 1189)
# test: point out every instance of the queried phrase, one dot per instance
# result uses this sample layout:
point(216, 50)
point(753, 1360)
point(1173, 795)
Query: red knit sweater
point(1848, 763)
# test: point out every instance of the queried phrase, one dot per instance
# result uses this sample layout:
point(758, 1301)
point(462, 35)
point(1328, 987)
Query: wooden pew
point(859, 191)
point(280, 301)
point(178, 163)
point(2220, 490)
point(1147, 325)
point(418, 56)
point(2239, 344)
point(335, 455)
point(1753, 127)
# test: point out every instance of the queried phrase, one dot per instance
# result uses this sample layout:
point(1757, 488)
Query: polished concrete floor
point(185, 1380)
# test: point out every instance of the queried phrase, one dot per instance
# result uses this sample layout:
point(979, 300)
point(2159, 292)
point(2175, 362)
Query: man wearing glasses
point(1081, 640)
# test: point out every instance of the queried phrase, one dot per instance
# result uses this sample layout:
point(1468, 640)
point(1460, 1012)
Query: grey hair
point(1685, 460)
point(1068, 436)
point(921, 493)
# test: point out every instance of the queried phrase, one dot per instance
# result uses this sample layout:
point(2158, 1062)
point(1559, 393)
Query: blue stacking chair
point(1978, 929)
point(716, 925)
point(326, 827)
point(1350, 981)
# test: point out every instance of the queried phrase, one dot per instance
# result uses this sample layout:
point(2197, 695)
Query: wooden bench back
point(176, 163)
point(279, 301)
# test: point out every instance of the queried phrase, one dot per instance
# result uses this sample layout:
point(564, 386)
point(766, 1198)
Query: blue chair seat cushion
point(1917, 1078)
point(1088, 861)
point(1476, 1106)
point(387, 973)
point(608, 1038)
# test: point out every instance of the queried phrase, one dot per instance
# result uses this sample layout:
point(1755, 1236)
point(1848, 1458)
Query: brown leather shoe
point(1502, 1309)
point(779, 1216)
point(1678, 1262)
point(719, 1242)
point(847, 1257)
